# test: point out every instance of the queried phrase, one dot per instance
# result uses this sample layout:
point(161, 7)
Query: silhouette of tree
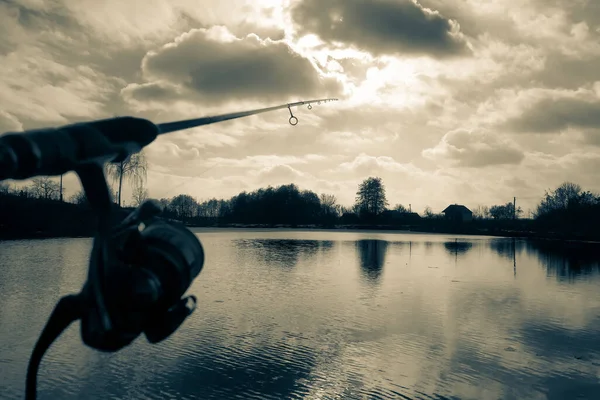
point(45, 188)
point(184, 206)
point(370, 198)
point(330, 206)
point(79, 198)
point(567, 195)
point(400, 208)
point(133, 168)
point(573, 213)
point(505, 211)
point(164, 203)
point(482, 212)
point(213, 208)
point(428, 212)
point(140, 194)
point(328, 201)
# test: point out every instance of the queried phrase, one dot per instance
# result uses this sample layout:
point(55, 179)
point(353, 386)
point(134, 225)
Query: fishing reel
point(137, 277)
point(139, 270)
point(139, 267)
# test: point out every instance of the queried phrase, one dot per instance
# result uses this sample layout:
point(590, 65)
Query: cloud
point(553, 115)
point(267, 161)
point(278, 174)
point(128, 23)
point(366, 164)
point(464, 148)
point(45, 73)
point(381, 27)
point(36, 87)
point(214, 66)
point(8, 123)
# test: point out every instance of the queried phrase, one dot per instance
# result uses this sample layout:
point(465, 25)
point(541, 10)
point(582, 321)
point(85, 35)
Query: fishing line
point(179, 125)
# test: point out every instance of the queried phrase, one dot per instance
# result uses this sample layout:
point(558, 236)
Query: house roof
point(456, 208)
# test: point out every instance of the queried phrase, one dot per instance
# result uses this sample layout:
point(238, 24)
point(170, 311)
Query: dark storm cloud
point(213, 66)
point(555, 115)
point(401, 27)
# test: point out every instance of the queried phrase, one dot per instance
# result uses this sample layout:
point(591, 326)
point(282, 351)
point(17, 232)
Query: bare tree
point(140, 194)
point(134, 168)
point(329, 206)
point(79, 198)
point(401, 209)
point(328, 200)
point(45, 188)
point(482, 212)
point(428, 212)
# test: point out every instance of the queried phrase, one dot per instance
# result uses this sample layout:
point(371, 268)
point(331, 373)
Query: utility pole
point(409, 208)
point(514, 208)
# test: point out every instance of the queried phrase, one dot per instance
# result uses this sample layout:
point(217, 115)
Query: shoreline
point(458, 230)
point(500, 233)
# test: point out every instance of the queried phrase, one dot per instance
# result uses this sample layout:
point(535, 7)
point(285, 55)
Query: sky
point(455, 101)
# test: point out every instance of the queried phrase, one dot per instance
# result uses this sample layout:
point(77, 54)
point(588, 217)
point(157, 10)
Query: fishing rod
point(55, 151)
point(140, 267)
point(191, 123)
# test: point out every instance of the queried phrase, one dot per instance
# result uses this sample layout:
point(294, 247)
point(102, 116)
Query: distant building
point(458, 213)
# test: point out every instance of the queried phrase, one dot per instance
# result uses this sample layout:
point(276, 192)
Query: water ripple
point(327, 316)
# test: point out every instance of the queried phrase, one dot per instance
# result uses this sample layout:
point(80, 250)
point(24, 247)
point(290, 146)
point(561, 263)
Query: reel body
point(139, 275)
point(138, 272)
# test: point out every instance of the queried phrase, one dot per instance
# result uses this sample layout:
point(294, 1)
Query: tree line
point(567, 207)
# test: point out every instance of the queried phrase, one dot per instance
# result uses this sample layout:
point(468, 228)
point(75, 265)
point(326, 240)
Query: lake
point(328, 315)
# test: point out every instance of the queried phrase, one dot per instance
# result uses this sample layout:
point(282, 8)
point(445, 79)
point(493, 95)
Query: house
point(458, 213)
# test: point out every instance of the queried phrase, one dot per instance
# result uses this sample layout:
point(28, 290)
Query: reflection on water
point(506, 248)
point(458, 248)
point(287, 314)
point(283, 252)
point(371, 254)
point(567, 260)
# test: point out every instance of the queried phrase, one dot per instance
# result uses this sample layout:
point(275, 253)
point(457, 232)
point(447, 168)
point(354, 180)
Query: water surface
point(328, 315)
